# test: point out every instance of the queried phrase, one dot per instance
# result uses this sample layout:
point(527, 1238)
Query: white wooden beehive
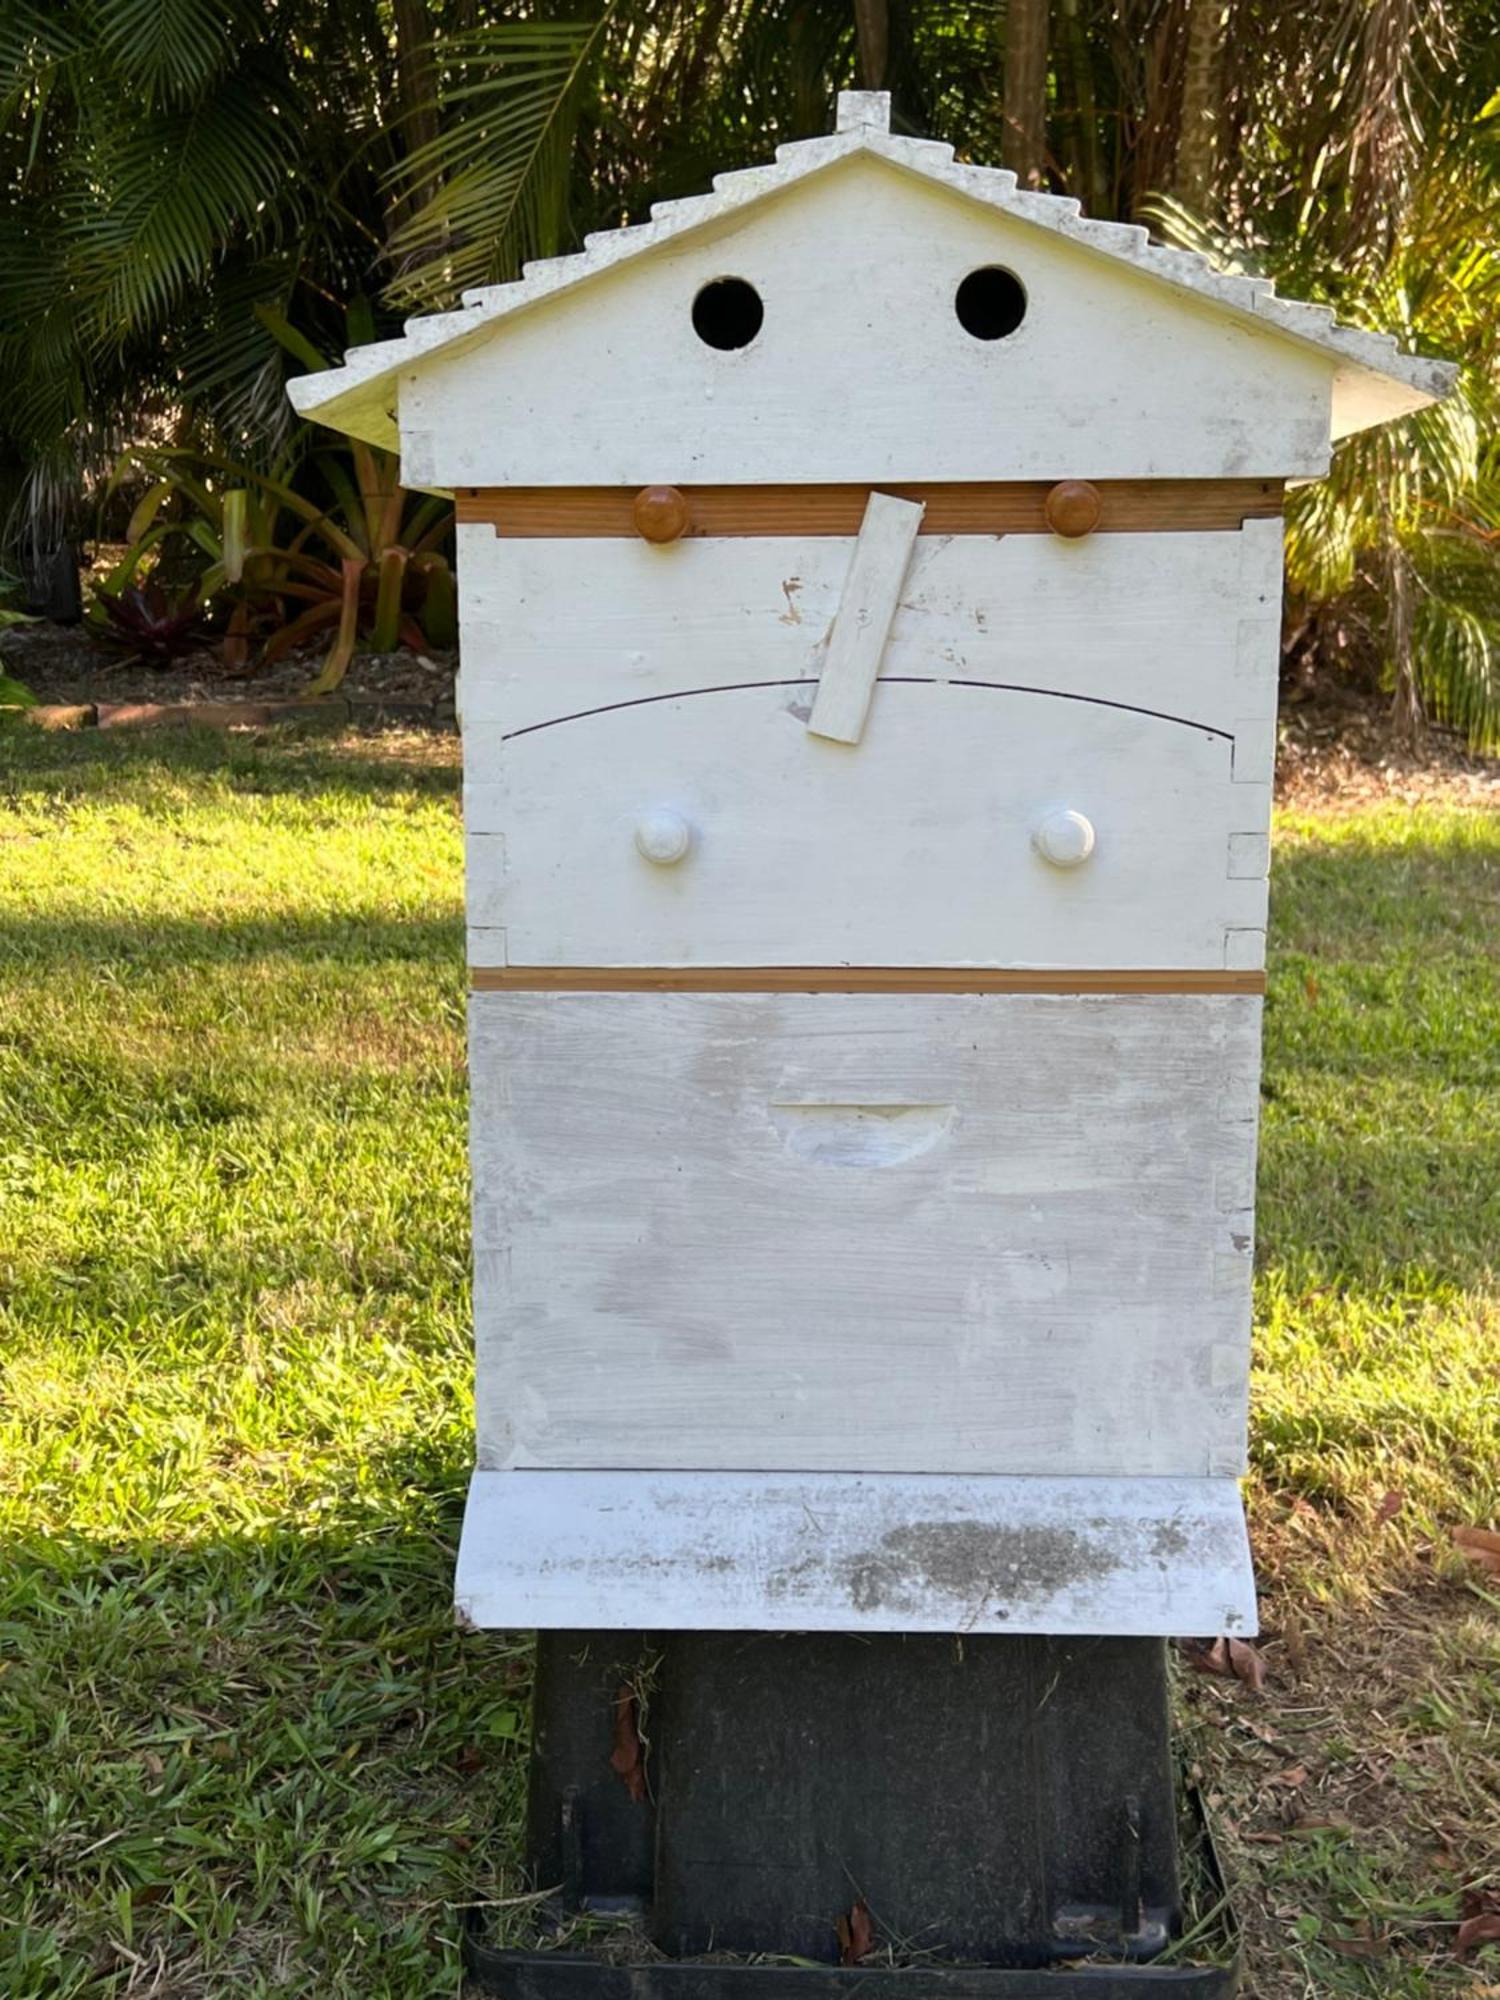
point(867, 896)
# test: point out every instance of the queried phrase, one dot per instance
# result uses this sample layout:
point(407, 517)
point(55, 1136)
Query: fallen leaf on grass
point(1265, 1732)
point(628, 1758)
point(856, 1933)
point(1480, 1545)
point(1358, 1947)
point(1475, 1931)
point(1232, 1659)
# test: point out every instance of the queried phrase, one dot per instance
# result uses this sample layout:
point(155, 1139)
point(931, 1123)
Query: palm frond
point(35, 36)
point(179, 186)
point(491, 189)
point(170, 50)
point(1457, 634)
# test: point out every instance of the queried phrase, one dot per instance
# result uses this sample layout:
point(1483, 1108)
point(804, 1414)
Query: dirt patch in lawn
point(1356, 1796)
point(62, 664)
point(1338, 753)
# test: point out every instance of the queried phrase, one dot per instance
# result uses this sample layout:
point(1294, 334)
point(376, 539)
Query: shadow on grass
point(262, 1757)
point(394, 1526)
point(1416, 882)
point(1380, 1134)
point(369, 937)
point(290, 759)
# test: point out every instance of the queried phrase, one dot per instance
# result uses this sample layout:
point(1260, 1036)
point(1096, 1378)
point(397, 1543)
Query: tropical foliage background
point(202, 196)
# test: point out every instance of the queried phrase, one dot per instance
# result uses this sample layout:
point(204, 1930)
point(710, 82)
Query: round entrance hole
point(728, 313)
point(990, 303)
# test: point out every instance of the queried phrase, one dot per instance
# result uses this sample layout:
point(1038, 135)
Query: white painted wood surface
point(917, 850)
point(935, 1233)
point(776, 1552)
point(1186, 624)
point(868, 108)
point(862, 623)
point(861, 370)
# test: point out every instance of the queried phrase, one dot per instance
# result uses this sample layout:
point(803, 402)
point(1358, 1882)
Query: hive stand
point(1001, 1805)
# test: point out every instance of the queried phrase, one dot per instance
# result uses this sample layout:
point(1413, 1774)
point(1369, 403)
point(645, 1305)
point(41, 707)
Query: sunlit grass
point(238, 1736)
point(240, 1743)
point(1378, 1316)
point(1368, 1779)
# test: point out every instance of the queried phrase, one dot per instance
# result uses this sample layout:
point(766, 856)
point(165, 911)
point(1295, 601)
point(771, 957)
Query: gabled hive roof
point(1374, 380)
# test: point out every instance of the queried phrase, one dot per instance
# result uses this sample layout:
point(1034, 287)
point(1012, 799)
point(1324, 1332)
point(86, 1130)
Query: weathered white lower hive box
point(867, 854)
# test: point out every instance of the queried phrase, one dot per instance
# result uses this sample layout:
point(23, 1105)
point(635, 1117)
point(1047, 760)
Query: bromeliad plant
point(150, 623)
point(364, 566)
point(14, 694)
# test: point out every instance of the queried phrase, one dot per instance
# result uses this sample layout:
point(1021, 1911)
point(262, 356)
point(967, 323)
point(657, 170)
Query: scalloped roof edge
point(1375, 380)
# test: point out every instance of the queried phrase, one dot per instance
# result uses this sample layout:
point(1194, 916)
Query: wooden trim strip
point(847, 979)
point(994, 507)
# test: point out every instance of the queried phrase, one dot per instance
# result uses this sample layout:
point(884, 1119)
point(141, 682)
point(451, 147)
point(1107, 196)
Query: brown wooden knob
point(660, 513)
point(1072, 508)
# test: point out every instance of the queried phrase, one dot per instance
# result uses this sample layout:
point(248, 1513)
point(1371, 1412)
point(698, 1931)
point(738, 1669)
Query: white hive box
point(867, 894)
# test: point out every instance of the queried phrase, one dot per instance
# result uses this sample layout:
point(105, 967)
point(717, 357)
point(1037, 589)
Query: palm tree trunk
point(1075, 62)
point(1406, 698)
point(1193, 178)
point(872, 27)
point(1154, 146)
point(1024, 149)
point(416, 100)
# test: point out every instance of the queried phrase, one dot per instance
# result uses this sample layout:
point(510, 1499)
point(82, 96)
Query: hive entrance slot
point(860, 1135)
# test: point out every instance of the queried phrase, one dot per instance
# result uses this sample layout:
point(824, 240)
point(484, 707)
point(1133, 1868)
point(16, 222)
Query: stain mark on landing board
point(984, 1568)
point(1170, 1539)
point(973, 1562)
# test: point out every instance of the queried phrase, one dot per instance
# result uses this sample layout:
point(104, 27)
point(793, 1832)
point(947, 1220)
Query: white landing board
point(850, 1552)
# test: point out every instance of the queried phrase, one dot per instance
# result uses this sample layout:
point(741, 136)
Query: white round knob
point(1064, 838)
point(663, 836)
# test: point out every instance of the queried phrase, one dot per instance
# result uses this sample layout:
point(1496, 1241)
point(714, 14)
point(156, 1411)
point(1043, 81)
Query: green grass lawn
point(242, 1750)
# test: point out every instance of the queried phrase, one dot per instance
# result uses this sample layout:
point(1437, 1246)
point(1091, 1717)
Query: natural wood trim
point(847, 979)
point(997, 507)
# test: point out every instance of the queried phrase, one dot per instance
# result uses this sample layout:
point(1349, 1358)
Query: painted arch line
point(885, 680)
